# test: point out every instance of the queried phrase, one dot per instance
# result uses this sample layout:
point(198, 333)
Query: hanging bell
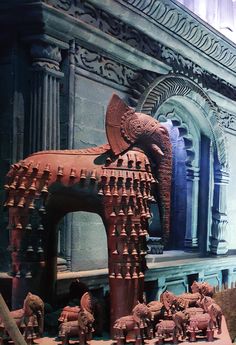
point(115, 191)
point(127, 276)
point(123, 232)
point(60, 171)
point(134, 252)
point(31, 205)
point(47, 168)
point(10, 201)
point(121, 212)
point(40, 227)
point(134, 275)
point(112, 275)
point(45, 188)
point(82, 174)
point(36, 168)
point(28, 227)
point(113, 213)
point(32, 187)
point(130, 211)
point(14, 183)
point(133, 232)
point(100, 191)
point(73, 173)
point(93, 176)
point(21, 203)
point(18, 226)
point(108, 160)
point(119, 160)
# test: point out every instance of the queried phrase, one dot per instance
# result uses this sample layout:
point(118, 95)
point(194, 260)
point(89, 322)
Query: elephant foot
point(192, 336)
point(210, 335)
point(120, 341)
point(159, 341)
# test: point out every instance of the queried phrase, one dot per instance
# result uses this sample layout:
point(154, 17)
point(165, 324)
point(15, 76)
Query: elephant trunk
point(164, 175)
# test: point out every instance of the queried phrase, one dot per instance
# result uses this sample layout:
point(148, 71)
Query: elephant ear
point(86, 302)
point(117, 113)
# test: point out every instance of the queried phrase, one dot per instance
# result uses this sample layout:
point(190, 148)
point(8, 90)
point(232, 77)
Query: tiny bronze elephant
point(82, 326)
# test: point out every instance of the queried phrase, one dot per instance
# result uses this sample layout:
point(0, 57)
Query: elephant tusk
point(157, 150)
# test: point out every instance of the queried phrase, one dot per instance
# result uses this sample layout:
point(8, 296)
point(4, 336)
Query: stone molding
point(105, 67)
point(184, 24)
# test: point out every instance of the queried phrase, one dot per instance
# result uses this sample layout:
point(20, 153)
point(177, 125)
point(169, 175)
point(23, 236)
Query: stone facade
point(60, 62)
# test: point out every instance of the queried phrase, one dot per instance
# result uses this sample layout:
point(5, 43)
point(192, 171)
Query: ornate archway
point(184, 91)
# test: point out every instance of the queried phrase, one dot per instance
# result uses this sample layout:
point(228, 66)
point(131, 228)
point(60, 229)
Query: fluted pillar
point(218, 238)
point(191, 236)
point(44, 124)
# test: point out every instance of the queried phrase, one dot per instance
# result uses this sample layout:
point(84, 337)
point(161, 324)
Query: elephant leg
point(82, 338)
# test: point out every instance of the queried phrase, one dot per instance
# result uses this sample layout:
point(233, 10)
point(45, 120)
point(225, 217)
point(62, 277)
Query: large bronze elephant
point(118, 181)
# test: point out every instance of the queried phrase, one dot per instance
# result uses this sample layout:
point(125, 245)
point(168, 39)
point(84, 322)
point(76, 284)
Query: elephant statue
point(118, 181)
point(29, 319)
point(82, 326)
point(204, 288)
point(172, 328)
point(200, 323)
point(135, 327)
point(181, 302)
point(157, 310)
point(214, 310)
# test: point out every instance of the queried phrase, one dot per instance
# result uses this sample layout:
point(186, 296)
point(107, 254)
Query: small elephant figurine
point(157, 310)
point(134, 327)
point(82, 326)
point(204, 288)
point(166, 329)
point(200, 323)
point(29, 319)
point(214, 310)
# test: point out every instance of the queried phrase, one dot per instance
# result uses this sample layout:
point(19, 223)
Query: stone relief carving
point(105, 67)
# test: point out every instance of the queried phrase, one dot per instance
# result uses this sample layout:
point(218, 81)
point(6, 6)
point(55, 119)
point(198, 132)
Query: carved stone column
point(218, 238)
point(44, 124)
point(191, 237)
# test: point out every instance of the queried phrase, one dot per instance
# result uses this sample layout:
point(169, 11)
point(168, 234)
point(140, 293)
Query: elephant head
point(125, 129)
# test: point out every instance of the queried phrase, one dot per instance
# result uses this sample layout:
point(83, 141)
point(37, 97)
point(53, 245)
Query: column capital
point(46, 56)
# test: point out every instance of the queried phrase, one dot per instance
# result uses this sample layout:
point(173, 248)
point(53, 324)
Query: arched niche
point(190, 109)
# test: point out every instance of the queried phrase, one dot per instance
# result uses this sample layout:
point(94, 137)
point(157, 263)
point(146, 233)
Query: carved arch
point(168, 87)
point(163, 88)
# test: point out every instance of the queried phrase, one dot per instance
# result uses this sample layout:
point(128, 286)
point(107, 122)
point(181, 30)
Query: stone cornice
point(207, 48)
point(187, 26)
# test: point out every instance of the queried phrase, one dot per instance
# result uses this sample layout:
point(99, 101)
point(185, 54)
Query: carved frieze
point(181, 23)
point(228, 120)
point(105, 67)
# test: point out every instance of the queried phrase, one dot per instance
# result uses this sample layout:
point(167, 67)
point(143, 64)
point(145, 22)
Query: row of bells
point(22, 178)
point(136, 161)
point(126, 271)
point(128, 230)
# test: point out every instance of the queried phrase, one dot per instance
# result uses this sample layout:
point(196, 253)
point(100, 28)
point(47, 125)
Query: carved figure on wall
point(29, 319)
point(118, 181)
point(135, 327)
point(82, 326)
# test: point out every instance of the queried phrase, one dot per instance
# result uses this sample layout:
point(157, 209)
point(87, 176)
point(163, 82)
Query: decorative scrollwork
point(105, 67)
